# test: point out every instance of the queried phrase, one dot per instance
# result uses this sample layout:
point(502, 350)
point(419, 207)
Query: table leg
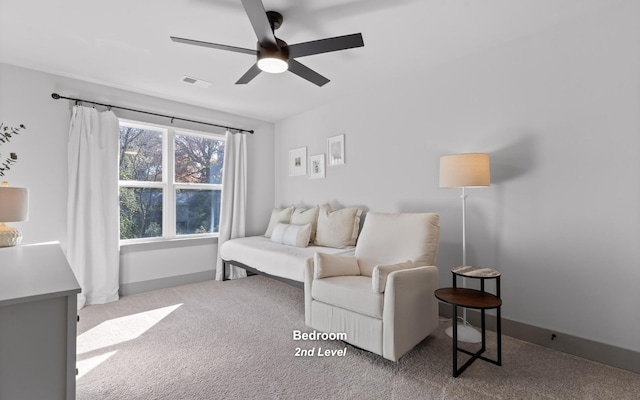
point(455, 341)
point(484, 331)
point(499, 333)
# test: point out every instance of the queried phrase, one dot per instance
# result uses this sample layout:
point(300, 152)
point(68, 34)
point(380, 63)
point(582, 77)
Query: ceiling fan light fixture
point(273, 61)
point(273, 65)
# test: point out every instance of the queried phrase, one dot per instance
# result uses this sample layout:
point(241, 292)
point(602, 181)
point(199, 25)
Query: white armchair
point(382, 297)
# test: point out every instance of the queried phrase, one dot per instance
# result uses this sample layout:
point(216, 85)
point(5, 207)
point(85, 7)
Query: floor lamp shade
point(465, 170)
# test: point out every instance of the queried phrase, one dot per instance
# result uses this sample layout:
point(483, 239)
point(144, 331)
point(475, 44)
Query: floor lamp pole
point(463, 196)
point(464, 228)
point(466, 332)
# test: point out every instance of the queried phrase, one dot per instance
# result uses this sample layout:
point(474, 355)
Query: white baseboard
point(601, 352)
point(155, 284)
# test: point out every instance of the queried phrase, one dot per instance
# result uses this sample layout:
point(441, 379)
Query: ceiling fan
point(275, 55)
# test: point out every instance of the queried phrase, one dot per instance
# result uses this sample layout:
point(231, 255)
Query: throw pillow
point(381, 273)
point(291, 235)
point(328, 265)
point(337, 228)
point(303, 216)
point(278, 216)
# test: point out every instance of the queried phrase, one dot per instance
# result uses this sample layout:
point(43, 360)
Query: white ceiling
point(125, 43)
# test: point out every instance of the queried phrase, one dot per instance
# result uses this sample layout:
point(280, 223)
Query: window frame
point(168, 184)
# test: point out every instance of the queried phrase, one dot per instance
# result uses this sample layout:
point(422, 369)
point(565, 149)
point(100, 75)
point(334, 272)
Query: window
point(170, 181)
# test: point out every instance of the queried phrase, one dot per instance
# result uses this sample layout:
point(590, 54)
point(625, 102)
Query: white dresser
point(37, 323)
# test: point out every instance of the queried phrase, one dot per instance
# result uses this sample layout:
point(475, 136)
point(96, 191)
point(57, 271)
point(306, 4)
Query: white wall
point(25, 97)
point(559, 113)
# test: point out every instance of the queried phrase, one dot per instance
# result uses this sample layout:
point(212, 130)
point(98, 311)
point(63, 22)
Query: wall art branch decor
point(6, 133)
point(335, 149)
point(316, 166)
point(298, 161)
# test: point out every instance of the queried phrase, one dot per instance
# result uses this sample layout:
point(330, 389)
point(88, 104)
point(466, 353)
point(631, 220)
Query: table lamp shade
point(465, 170)
point(14, 204)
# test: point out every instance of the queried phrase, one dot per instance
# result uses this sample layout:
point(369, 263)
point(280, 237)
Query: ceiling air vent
point(195, 81)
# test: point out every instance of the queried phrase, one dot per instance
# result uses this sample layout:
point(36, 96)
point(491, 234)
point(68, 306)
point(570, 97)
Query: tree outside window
point(170, 182)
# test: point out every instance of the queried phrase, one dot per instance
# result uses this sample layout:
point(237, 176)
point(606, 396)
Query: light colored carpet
point(233, 340)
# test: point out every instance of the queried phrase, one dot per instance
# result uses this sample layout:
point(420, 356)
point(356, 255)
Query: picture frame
point(316, 166)
point(298, 161)
point(335, 150)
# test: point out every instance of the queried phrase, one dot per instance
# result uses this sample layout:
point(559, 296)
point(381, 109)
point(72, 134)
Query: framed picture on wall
point(316, 166)
point(335, 149)
point(298, 161)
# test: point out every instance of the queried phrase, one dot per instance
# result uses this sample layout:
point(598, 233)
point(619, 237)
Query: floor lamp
point(469, 170)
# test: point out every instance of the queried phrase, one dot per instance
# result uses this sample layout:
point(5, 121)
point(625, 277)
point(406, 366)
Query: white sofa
point(285, 257)
point(381, 297)
point(259, 254)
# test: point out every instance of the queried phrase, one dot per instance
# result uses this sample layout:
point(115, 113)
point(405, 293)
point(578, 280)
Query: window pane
point(199, 159)
point(140, 154)
point(140, 213)
point(197, 211)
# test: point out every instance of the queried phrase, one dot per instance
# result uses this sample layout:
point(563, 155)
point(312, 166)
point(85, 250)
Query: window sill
point(163, 244)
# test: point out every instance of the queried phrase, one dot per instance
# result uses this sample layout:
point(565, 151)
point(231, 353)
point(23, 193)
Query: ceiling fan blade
point(326, 45)
point(307, 73)
point(249, 75)
point(261, 26)
point(213, 45)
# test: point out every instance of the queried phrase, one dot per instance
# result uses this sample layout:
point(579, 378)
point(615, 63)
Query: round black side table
point(474, 299)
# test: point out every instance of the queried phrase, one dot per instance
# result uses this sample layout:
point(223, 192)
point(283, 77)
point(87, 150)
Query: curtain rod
point(56, 96)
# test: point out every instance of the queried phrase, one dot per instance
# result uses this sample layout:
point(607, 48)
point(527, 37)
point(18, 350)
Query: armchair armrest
point(382, 272)
point(410, 310)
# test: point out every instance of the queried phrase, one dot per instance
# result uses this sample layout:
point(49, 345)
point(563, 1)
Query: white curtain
point(93, 228)
point(234, 197)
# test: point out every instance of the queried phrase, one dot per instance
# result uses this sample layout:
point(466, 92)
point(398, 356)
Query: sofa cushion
point(292, 235)
point(278, 215)
point(328, 265)
point(349, 292)
point(303, 216)
point(337, 228)
point(381, 272)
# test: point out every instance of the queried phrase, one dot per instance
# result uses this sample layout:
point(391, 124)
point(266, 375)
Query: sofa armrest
point(410, 310)
point(308, 282)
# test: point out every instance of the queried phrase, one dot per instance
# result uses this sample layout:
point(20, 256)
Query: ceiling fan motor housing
point(271, 53)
